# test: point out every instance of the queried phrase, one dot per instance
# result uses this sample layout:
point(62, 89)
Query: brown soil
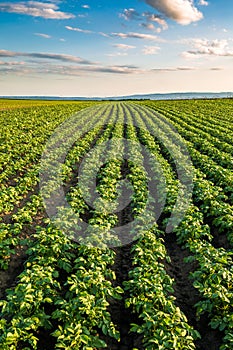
point(121, 316)
point(8, 278)
point(187, 296)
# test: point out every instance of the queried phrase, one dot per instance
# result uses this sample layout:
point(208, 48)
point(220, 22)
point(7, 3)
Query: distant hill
point(182, 95)
point(175, 96)
point(156, 96)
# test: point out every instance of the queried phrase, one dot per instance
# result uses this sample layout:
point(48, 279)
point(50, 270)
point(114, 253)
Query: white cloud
point(103, 34)
point(85, 6)
point(136, 36)
point(117, 54)
point(12, 63)
point(101, 69)
point(182, 11)
point(204, 47)
point(35, 9)
point(173, 69)
point(67, 70)
point(123, 50)
point(76, 29)
point(150, 26)
point(6, 53)
point(86, 31)
point(151, 17)
point(82, 15)
point(186, 68)
point(217, 68)
point(203, 3)
point(124, 47)
point(48, 56)
point(130, 14)
point(60, 69)
point(150, 50)
point(13, 67)
point(46, 36)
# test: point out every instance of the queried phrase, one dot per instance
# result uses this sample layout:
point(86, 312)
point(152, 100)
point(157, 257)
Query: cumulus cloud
point(76, 29)
point(150, 50)
point(182, 11)
point(46, 36)
point(85, 6)
point(35, 9)
point(204, 47)
point(133, 35)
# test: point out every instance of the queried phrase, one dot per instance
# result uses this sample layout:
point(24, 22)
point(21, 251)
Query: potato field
point(138, 252)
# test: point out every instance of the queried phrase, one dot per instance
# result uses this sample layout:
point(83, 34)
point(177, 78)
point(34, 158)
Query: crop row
point(214, 265)
point(162, 324)
point(79, 306)
point(209, 197)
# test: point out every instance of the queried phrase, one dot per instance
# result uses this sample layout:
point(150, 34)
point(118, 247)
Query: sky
point(114, 48)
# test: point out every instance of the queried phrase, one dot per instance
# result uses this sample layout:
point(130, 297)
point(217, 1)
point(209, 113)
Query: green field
point(164, 289)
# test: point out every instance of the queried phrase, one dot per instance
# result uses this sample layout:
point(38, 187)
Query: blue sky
point(105, 48)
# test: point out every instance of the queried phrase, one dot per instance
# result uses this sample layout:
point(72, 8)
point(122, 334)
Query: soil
point(220, 239)
point(121, 316)
point(187, 296)
point(8, 278)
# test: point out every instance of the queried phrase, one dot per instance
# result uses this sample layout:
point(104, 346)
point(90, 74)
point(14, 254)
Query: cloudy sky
point(106, 48)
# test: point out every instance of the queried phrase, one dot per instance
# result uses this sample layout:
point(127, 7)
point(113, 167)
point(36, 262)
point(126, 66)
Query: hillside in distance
point(155, 96)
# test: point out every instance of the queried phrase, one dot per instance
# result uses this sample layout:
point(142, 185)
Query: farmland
point(170, 285)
